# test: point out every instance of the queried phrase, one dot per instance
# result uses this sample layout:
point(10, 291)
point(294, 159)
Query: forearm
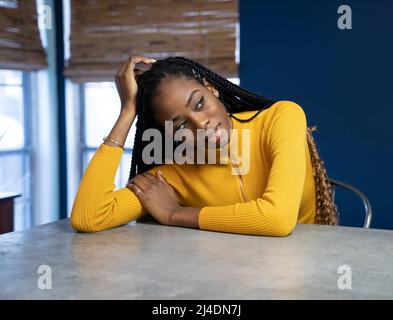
point(256, 217)
point(97, 206)
point(121, 128)
point(99, 176)
point(186, 217)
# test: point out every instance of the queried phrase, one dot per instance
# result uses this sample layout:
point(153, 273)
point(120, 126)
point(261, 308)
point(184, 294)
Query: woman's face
point(193, 106)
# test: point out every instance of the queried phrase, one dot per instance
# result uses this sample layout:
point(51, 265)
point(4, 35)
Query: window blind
point(20, 42)
point(104, 33)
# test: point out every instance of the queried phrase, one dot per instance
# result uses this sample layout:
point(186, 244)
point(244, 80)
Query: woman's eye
point(181, 126)
point(200, 104)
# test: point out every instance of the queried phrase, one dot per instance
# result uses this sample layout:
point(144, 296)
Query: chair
point(366, 203)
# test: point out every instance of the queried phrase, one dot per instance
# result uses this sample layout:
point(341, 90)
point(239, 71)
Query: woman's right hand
point(126, 85)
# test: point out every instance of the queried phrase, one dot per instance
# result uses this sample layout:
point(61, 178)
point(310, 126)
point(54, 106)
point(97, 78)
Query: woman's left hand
point(155, 195)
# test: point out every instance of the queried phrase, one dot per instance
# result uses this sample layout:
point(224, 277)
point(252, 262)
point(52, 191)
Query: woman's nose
point(200, 122)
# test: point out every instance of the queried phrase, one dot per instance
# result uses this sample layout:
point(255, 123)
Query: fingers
point(131, 62)
point(149, 176)
point(144, 181)
point(130, 66)
point(137, 59)
point(141, 182)
point(160, 176)
point(134, 188)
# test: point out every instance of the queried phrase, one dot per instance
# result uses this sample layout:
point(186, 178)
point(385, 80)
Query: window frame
point(26, 151)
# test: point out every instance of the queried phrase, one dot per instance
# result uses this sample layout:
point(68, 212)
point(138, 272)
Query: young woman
point(286, 182)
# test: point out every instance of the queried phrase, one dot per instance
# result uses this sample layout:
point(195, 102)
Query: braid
point(327, 212)
point(235, 99)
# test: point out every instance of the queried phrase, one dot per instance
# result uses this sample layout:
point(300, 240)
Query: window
point(100, 107)
point(15, 143)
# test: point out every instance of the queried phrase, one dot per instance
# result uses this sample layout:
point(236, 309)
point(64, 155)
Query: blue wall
point(293, 50)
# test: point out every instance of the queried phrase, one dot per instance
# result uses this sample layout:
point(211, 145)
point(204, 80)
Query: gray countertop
point(148, 261)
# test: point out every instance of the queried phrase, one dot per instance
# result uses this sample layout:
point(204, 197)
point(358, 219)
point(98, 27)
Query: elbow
point(281, 225)
point(286, 220)
point(277, 231)
point(287, 223)
point(81, 222)
point(284, 230)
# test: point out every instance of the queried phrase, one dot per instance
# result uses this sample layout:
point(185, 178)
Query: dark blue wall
point(343, 79)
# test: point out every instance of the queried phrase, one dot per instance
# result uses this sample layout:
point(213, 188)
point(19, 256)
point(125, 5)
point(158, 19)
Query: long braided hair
point(235, 99)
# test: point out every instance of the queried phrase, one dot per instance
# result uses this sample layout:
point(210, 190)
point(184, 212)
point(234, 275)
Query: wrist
point(185, 217)
point(109, 140)
point(173, 215)
point(128, 108)
point(127, 112)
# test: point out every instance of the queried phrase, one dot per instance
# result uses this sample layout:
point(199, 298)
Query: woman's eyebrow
point(190, 97)
point(187, 104)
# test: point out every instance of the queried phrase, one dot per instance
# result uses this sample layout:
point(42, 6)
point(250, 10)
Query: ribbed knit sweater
point(277, 192)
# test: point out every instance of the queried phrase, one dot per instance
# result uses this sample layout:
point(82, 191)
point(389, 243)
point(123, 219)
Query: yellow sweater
point(276, 193)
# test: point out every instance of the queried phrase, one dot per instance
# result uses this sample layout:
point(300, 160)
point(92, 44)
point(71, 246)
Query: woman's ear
point(210, 87)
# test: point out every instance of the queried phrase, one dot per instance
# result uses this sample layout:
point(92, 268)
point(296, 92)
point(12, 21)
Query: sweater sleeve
point(275, 213)
point(97, 206)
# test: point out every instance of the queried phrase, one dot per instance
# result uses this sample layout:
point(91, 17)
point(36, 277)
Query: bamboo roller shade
point(104, 33)
point(20, 42)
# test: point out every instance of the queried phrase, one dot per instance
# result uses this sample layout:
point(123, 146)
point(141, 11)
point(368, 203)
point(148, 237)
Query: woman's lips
point(216, 135)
